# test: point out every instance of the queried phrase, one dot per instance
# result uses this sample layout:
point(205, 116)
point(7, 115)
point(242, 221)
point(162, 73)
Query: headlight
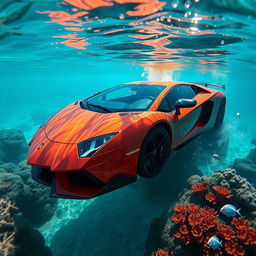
point(88, 147)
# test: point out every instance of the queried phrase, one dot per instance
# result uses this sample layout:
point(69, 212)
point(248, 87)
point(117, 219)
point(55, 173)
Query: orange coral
point(192, 208)
point(179, 208)
point(183, 234)
point(226, 232)
point(211, 198)
point(209, 252)
point(197, 231)
point(233, 248)
point(178, 217)
point(245, 232)
point(161, 252)
point(222, 192)
point(240, 223)
point(247, 236)
point(200, 187)
point(194, 219)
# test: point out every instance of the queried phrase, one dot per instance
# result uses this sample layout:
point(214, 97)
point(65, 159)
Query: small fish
point(214, 242)
point(238, 115)
point(230, 210)
point(216, 156)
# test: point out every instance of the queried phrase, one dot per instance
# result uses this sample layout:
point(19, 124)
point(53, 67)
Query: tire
point(221, 114)
point(154, 152)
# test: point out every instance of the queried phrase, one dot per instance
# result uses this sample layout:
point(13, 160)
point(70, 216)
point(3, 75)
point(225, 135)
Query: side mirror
point(184, 103)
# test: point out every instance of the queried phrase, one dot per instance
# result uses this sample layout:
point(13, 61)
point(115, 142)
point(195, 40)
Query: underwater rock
point(252, 154)
point(13, 146)
point(247, 166)
point(185, 228)
point(30, 197)
point(17, 237)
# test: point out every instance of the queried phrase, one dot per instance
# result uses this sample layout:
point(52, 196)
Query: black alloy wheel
point(221, 114)
point(154, 152)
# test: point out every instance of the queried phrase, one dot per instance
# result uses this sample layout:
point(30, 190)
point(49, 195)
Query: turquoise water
point(54, 53)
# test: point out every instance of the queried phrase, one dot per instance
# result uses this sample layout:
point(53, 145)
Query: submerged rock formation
point(17, 237)
point(247, 166)
point(16, 184)
point(31, 198)
point(186, 227)
point(13, 146)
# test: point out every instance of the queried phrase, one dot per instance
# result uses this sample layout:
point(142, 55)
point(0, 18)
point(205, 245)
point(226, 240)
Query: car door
point(183, 123)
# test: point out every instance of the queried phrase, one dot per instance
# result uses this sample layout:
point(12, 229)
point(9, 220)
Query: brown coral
point(7, 227)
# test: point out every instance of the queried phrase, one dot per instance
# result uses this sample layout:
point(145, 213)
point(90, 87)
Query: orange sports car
point(104, 142)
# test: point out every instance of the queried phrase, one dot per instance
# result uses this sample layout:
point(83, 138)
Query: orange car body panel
point(55, 145)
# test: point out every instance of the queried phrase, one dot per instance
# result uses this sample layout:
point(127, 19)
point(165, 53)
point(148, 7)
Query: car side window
point(178, 92)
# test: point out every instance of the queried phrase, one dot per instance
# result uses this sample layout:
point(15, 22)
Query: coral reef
point(17, 237)
point(247, 166)
point(13, 146)
point(16, 184)
point(186, 228)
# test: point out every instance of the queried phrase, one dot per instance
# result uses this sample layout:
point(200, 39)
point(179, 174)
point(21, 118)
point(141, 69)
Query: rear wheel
point(221, 114)
point(154, 152)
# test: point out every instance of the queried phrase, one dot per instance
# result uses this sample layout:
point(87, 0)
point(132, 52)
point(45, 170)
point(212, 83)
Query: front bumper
point(78, 184)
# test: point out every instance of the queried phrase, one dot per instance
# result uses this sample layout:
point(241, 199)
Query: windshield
point(123, 98)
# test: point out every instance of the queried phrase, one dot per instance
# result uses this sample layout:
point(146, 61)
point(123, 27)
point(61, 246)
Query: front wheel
point(221, 114)
point(154, 152)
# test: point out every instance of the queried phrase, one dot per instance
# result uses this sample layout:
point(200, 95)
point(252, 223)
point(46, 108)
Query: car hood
point(74, 124)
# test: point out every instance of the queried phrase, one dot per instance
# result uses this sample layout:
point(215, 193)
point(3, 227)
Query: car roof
point(168, 84)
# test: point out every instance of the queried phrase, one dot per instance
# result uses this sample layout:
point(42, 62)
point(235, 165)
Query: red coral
point(180, 208)
point(200, 187)
point(210, 211)
point(245, 232)
point(210, 252)
point(226, 232)
point(240, 223)
point(197, 231)
point(247, 236)
point(183, 234)
point(209, 220)
point(222, 192)
point(194, 219)
point(192, 208)
point(211, 198)
point(178, 218)
point(161, 252)
point(233, 248)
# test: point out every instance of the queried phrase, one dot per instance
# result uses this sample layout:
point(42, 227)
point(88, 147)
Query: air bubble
point(121, 17)
point(222, 42)
point(187, 14)
point(187, 4)
point(175, 3)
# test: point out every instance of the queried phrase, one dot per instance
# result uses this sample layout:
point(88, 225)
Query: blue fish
point(214, 242)
point(230, 210)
